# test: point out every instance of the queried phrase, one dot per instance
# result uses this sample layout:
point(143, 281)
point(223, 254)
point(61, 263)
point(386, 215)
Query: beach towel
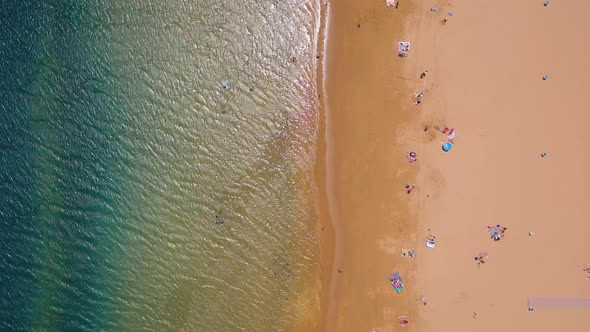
point(407, 252)
point(403, 320)
point(403, 48)
point(451, 136)
point(396, 282)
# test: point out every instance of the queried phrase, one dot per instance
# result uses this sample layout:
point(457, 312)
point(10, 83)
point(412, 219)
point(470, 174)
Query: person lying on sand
point(403, 320)
point(418, 98)
point(408, 253)
point(451, 135)
point(422, 299)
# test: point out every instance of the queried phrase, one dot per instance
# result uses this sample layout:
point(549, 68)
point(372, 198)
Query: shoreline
point(390, 224)
point(322, 181)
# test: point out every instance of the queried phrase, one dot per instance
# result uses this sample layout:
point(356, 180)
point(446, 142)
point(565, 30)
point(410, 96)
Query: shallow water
point(125, 126)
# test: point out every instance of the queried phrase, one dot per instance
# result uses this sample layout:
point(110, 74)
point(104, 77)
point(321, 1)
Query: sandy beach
point(485, 68)
point(366, 220)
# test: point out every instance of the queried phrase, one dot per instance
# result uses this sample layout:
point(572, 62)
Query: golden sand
point(485, 66)
point(366, 168)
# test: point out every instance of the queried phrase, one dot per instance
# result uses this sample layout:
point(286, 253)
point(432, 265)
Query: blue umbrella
point(447, 147)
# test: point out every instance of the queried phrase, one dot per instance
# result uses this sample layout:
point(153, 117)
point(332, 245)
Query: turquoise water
point(126, 126)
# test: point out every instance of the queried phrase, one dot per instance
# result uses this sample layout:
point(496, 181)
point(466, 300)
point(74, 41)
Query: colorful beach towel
point(396, 282)
point(451, 136)
point(403, 48)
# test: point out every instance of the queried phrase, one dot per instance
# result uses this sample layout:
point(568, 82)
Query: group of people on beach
point(496, 232)
point(408, 253)
point(450, 134)
point(412, 158)
point(481, 258)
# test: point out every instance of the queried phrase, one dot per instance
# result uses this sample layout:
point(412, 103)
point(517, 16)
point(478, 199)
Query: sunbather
point(403, 320)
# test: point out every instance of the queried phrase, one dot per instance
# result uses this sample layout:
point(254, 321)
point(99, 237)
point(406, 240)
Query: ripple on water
point(119, 146)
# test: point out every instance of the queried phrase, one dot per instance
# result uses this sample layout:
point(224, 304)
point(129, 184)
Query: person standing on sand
point(423, 75)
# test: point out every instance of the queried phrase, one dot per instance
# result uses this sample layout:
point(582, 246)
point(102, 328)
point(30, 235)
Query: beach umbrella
point(447, 146)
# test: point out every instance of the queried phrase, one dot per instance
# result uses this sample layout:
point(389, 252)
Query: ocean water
point(128, 129)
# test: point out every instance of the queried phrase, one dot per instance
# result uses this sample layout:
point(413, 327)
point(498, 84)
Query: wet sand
point(485, 79)
point(366, 217)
